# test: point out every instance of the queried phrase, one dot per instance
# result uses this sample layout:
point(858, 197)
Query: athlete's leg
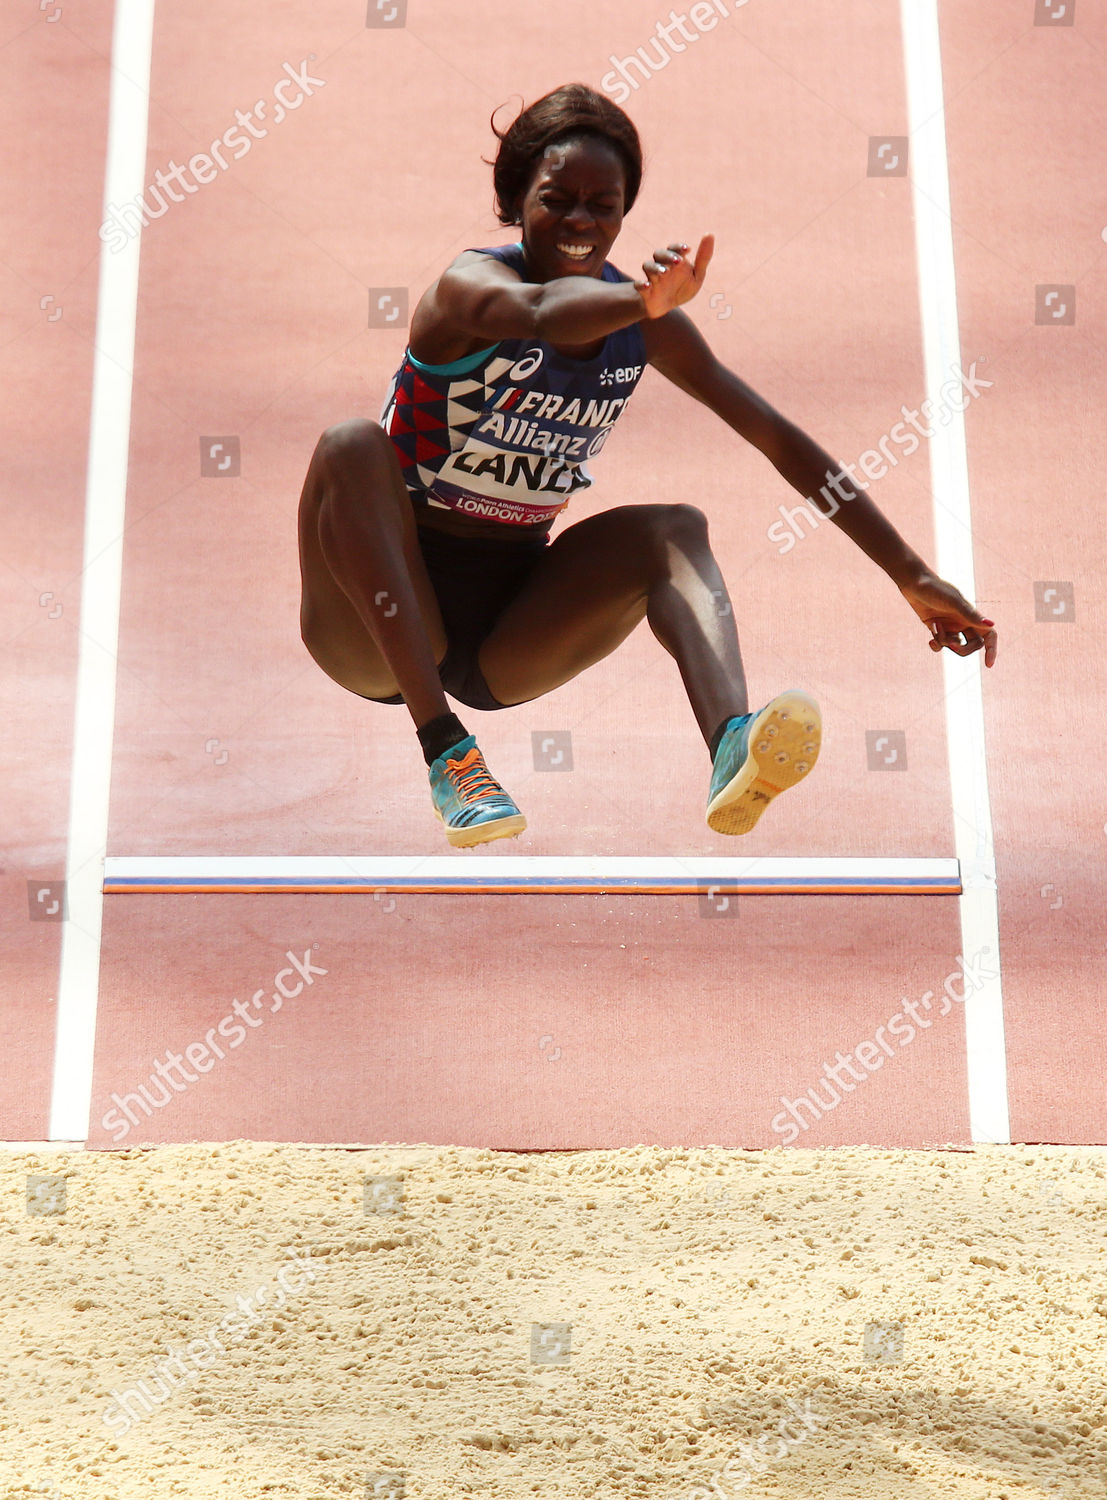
point(596, 582)
point(368, 613)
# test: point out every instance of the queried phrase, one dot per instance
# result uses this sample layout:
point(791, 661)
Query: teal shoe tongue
point(460, 750)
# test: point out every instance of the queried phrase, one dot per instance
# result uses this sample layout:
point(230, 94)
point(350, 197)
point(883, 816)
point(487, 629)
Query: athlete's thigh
point(331, 625)
point(585, 596)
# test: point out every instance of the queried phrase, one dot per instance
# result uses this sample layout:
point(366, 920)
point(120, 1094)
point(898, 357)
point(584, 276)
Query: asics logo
point(524, 368)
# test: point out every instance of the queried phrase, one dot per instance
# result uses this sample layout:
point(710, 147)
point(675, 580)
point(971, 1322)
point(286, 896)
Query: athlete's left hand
point(672, 279)
point(953, 621)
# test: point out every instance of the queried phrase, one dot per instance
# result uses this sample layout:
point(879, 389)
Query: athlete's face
point(574, 205)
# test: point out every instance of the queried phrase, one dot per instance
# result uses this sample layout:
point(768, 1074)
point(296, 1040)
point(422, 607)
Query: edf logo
point(622, 376)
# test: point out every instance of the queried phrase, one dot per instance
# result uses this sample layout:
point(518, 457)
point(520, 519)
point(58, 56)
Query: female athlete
point(425, 552)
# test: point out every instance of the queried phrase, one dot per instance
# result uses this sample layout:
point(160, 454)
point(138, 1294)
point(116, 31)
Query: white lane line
point(968, 769)
point(531, 874)
point(105, 502)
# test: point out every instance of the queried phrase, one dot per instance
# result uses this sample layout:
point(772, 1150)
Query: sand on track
point(646, 1324)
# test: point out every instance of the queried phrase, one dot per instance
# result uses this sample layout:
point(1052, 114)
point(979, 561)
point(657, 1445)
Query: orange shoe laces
point(471, 776)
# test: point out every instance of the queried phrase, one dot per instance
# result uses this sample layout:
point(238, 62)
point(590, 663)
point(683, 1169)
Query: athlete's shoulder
point(510, 256)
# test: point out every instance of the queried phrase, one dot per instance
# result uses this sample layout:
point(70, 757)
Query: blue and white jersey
point(506, 433)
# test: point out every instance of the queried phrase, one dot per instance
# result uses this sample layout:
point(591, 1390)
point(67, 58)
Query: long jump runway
point(896, 222)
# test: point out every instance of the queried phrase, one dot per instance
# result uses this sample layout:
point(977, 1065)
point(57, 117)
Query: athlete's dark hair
point(573, 111)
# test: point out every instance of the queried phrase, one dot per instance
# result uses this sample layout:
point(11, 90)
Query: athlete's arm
point(675, 347)
point(480, 299)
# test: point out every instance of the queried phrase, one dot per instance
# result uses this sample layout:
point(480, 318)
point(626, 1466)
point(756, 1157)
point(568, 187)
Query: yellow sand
point(710, 1296)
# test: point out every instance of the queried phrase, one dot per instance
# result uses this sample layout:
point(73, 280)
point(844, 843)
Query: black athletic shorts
point(474, 578)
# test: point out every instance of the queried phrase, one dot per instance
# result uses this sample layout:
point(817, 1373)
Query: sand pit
point(253, 1320)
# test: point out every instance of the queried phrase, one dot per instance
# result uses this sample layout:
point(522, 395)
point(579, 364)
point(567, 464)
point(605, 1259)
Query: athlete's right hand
point(671, 280)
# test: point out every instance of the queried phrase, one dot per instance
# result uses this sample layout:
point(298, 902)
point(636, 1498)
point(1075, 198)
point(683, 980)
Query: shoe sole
point(783, 746)
point(483, 833)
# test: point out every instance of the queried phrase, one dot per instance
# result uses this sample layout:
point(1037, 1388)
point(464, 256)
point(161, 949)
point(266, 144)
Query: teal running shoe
point(472, 807)
point(760, 755)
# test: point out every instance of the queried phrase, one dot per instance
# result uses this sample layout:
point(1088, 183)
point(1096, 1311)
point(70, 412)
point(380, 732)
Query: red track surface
point(545, 1022)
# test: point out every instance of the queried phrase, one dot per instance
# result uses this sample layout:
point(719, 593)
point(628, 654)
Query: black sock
point(717, 736)
point(439, 735)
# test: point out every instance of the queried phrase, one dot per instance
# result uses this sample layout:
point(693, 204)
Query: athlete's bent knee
point(358, 438)
point(676, 525)
point(683, 518)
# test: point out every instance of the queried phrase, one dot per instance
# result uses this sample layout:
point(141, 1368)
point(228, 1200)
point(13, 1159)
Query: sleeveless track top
point(506, 433)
